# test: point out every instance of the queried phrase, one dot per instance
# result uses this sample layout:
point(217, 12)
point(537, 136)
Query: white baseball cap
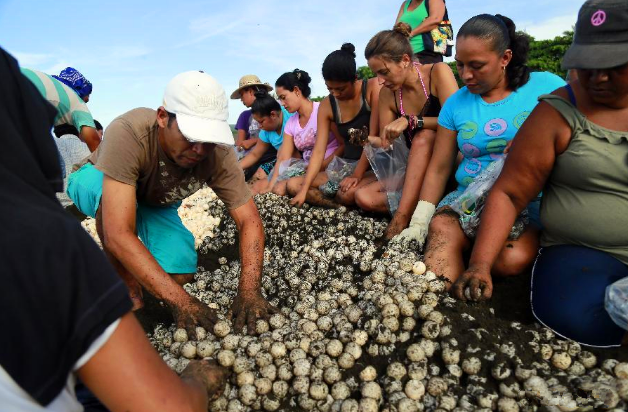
point(201, 107)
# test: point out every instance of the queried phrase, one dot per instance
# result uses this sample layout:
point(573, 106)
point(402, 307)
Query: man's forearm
point(133, 255)
point(252, 255)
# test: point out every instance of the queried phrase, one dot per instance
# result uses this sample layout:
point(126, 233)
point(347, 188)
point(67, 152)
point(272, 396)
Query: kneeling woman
point(409, 104)
point(272, 119)
point(479, 121)
point(300, 134)
point(574, 146)
point(351, 104)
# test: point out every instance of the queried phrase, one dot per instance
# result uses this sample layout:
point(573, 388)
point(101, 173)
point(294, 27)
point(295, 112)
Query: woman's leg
point(446, 243)
point(372, 198)
point(348, 198)
point(517, 255)
point(281, 188)
point(568, 290)
point(420, 154)
point(314, 196)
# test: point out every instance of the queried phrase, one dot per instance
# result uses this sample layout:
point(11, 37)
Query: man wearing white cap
point(135, 181)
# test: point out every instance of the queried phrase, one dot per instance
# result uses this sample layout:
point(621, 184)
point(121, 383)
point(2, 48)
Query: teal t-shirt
point(273, 137)
point(484, 129)
point(414, 18)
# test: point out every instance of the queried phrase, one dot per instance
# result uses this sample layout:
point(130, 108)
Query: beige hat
point(248, 81)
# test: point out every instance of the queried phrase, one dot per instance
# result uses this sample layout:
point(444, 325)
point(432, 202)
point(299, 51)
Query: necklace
point(427, 96)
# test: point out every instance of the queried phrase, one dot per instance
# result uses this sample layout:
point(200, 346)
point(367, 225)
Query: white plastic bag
point(337, 170)
point(470, 203)
point(616, 302)
point(290, 168)
point(389, 165)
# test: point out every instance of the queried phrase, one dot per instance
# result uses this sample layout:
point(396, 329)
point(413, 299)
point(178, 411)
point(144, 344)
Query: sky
point(129, 50)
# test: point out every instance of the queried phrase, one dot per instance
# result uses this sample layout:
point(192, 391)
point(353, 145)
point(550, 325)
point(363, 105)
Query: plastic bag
point(470, 203)
point(290, 168)
point(337, 170)
point(616, 302)
point(389, 165)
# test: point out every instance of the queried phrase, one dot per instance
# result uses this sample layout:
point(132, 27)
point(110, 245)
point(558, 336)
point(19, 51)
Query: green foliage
point(365, 73)
point(455, 70)
point(317, 98)
point(547, 55)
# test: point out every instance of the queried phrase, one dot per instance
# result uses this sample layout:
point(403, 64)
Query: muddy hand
point(213, 376)
point(298, 199)
point(192, 313)
point(394, 129)
point(348, 183)
point(247, 308)
point(475, 284)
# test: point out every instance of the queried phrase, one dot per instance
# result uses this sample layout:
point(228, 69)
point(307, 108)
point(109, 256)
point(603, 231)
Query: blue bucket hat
point(75, 80)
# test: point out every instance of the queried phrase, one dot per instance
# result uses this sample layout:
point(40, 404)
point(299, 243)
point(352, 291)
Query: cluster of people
point(558, 203)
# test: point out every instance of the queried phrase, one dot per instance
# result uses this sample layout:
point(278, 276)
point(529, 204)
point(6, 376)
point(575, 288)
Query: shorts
point(568, 291)
point(159, 227)
point(268, 166)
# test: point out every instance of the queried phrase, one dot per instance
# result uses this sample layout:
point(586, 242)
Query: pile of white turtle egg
point(195, 216)
point(363, 328)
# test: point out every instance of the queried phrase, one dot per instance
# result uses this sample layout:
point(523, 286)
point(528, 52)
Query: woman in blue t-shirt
point(272, 119)
point(479, 121)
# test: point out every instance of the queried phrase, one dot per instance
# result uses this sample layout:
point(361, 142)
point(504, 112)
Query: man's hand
point(247, 308)
point(192, 313)
point(348, 183)
point(475, 284)
point(298, 199)
point(212, 376)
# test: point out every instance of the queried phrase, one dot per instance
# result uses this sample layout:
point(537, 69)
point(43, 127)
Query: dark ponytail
point(501, 32)
point(264, 104)
point(339, 65)
point(296, 78)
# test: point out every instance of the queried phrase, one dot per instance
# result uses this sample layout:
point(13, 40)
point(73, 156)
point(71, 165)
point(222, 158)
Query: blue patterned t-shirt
point(484, 129)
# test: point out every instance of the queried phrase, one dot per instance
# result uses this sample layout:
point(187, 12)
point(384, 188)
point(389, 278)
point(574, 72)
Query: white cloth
point(13, 398)
point(72, 151)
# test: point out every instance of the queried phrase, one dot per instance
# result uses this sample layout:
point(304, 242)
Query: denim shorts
point(159, 227)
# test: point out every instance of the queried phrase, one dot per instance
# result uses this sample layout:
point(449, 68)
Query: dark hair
point(340, 65)
point(390, 44)
point(264, 104)
point(296, 78)
point(64, 129)
point(171, 117)
point(501, 32)
point(98, 125)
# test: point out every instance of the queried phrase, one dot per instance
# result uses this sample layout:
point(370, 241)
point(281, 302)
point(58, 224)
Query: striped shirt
point(71, 109)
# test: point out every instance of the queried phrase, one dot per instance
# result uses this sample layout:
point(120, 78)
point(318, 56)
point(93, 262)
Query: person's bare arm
point(440, 166)
point(317, 160)
point(249, 305)
point(284, 153)
point(390, 127)
point(254, 155)
point(90, 136)
point(250, 142)
point(403, 4)
point(127, 366)
point(434, 16)
point(372, 97)
point(543, 136)
point(337, 152)
point(119, 210)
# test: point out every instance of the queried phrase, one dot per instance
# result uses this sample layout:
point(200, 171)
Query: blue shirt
point(273, 137)
point(484, 129)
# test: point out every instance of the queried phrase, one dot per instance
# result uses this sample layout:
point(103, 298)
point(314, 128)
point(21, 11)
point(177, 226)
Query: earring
point(297, 94)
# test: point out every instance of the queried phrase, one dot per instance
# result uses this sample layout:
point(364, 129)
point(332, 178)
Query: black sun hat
point(601, 37)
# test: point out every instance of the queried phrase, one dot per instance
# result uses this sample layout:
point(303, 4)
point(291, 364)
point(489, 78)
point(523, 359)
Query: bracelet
point(414, 122)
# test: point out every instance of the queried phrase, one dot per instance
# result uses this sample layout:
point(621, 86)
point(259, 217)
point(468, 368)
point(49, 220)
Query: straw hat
point(248, 81)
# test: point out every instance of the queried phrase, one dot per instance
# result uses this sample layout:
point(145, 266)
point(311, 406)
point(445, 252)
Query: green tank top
point(414, 18)
point(585, 199)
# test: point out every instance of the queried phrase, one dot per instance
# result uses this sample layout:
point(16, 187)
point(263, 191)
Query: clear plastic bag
point(616, 302)
point(290, 168)
point(470, 203)
point(389, 165)
point(337, 170)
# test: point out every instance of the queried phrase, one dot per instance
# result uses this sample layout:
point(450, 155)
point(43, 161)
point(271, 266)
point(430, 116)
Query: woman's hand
point(394, 129)
point(475, 284)
point(349, 183)
point(298, 199)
